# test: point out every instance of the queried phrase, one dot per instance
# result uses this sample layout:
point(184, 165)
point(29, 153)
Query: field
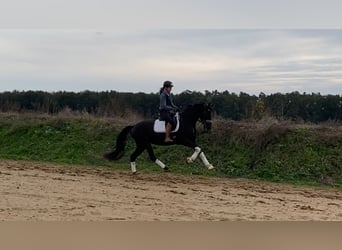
point(52, 169)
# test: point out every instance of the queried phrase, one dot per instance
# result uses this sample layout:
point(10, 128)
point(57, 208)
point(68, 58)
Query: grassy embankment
point(267, 150)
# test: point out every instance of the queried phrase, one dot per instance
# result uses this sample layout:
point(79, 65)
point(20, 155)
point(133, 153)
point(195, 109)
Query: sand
point(32, 191)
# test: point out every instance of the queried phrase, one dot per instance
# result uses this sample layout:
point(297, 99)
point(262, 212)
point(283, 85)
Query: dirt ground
point(33, 191)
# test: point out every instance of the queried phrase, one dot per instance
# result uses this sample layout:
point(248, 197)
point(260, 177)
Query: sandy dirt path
point(32, 191)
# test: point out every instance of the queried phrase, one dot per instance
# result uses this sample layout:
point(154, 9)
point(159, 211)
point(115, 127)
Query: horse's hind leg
point(138, 150)
point(154, 158)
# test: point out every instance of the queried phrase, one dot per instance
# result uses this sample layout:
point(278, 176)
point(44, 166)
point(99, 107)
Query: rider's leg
point(168, 133)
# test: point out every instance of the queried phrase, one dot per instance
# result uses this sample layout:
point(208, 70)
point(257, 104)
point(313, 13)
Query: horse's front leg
point(198, 152)
point(194, 156)
point(205, 161)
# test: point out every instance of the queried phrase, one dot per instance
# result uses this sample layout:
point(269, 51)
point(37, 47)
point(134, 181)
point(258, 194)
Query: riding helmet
point(168, 84)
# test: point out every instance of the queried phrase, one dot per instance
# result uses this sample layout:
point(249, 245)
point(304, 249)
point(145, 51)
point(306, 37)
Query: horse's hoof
point(166, 169)
point(134, 173)
point(211, 167)
point(189, 160)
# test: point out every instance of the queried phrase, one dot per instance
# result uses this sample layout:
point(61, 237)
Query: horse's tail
point(120, 145)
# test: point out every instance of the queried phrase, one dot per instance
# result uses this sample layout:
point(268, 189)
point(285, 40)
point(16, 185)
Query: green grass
point(297, 156)
point(61, 141)
point(301, 157)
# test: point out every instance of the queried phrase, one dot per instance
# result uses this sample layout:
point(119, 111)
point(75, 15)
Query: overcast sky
point(199, 45)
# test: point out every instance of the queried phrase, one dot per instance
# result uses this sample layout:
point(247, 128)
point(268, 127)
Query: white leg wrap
point(160, 164)
point(194, 155)
point(205, 161)
point(133, 167)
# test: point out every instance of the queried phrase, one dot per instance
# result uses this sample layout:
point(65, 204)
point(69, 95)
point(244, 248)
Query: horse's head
point(204, 111)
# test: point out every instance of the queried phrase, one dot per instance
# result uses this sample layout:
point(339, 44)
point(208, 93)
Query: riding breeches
point(167, 116)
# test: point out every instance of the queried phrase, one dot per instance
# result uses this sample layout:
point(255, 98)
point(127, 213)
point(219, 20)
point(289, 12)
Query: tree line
point(305, 107)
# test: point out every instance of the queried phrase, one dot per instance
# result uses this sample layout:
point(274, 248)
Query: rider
point(167, 108)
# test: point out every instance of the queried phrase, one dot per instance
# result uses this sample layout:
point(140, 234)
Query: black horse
point(144, 135)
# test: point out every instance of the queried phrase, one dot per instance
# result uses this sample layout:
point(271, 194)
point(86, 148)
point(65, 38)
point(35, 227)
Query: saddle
point(159, 126)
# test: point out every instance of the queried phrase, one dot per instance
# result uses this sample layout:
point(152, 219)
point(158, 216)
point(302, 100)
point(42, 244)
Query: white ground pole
point(133, 167)
point(160, 164)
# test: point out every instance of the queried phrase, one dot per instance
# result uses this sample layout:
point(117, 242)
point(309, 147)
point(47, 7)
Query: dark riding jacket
point(167, 108)
point(166, 103)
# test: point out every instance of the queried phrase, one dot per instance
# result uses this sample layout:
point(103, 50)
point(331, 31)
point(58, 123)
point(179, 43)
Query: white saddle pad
point(159, 126)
